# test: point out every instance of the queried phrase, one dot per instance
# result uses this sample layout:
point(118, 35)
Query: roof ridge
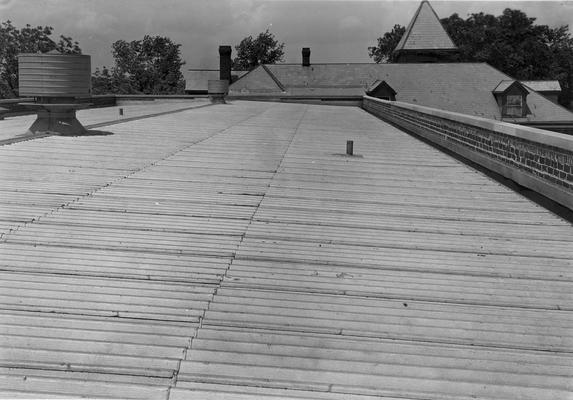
point(274, 78)
point(369, 63)
point(406, 34)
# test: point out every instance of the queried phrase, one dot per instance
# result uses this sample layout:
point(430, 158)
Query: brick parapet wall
point(537, 159)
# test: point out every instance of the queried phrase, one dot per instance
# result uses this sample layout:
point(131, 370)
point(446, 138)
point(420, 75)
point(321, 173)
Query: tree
point(148, 66)
point(562, 63)
point(26, 40)
point(510, 42)
point(265, 49)
point(101, 81)
point(382, 52)
point(111, 81)
point(514, 44)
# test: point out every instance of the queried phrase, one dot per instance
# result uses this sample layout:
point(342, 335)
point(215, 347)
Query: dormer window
point(514, 105)
point(511, 99)
point(381, 90)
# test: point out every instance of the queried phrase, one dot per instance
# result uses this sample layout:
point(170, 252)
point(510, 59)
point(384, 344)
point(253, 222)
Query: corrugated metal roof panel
point(233, 252)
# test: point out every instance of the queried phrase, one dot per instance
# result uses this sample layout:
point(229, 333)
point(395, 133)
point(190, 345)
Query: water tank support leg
point(60, 122)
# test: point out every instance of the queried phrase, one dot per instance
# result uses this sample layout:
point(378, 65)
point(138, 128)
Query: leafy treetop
point(148, 66)
point(382, 52)
point(265, 49)
point(26, 40)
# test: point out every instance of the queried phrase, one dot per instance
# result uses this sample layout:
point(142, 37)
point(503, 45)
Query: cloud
point(93, 21)
point(350, 22)
point(5, 4)
point(247, 13)
point(336, 30)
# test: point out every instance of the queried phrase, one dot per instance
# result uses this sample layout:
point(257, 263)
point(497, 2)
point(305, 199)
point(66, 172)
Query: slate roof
point(196, 79)
point(459, 87)
point(231, 252)
point(425, 32)
point(543, 86)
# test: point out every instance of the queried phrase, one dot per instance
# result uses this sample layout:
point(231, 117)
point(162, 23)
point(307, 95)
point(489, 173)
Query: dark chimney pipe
point(225, 63)
point(306, 56)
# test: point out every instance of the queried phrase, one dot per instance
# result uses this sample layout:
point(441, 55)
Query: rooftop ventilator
point(60, 84)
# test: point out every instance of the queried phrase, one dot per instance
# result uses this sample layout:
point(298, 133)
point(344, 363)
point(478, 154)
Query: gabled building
point(425, 75)
point(196, 79)
point(468, 88)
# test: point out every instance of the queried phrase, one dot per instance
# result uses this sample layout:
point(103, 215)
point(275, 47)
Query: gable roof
point(260, 80)
point(459, 87)
point(380, 85)
point(425, 32)
point(274, 78)
point(505, 85)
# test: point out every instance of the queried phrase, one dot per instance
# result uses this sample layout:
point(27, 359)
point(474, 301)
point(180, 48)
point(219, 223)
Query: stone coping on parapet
point(524, 132)
point(535, 159)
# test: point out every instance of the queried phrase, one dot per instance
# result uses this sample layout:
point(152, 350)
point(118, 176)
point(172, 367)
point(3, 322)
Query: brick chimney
point(225, 63)
point(306, 56)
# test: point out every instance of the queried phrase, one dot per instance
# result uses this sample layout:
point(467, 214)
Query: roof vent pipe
point(306, 56)
point(225, 63)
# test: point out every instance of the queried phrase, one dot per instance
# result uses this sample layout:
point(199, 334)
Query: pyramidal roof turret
point(425, 34)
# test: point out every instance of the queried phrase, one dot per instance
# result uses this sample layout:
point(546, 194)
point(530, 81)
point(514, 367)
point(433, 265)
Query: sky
point(335, 30)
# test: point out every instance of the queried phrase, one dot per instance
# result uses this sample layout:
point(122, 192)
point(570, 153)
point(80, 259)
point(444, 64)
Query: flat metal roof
point(234, 251)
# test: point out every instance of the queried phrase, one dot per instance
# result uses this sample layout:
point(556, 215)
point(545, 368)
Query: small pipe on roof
point(350, 147)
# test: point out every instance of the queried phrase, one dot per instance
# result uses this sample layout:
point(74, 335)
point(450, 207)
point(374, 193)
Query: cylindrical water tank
point(54, 75)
